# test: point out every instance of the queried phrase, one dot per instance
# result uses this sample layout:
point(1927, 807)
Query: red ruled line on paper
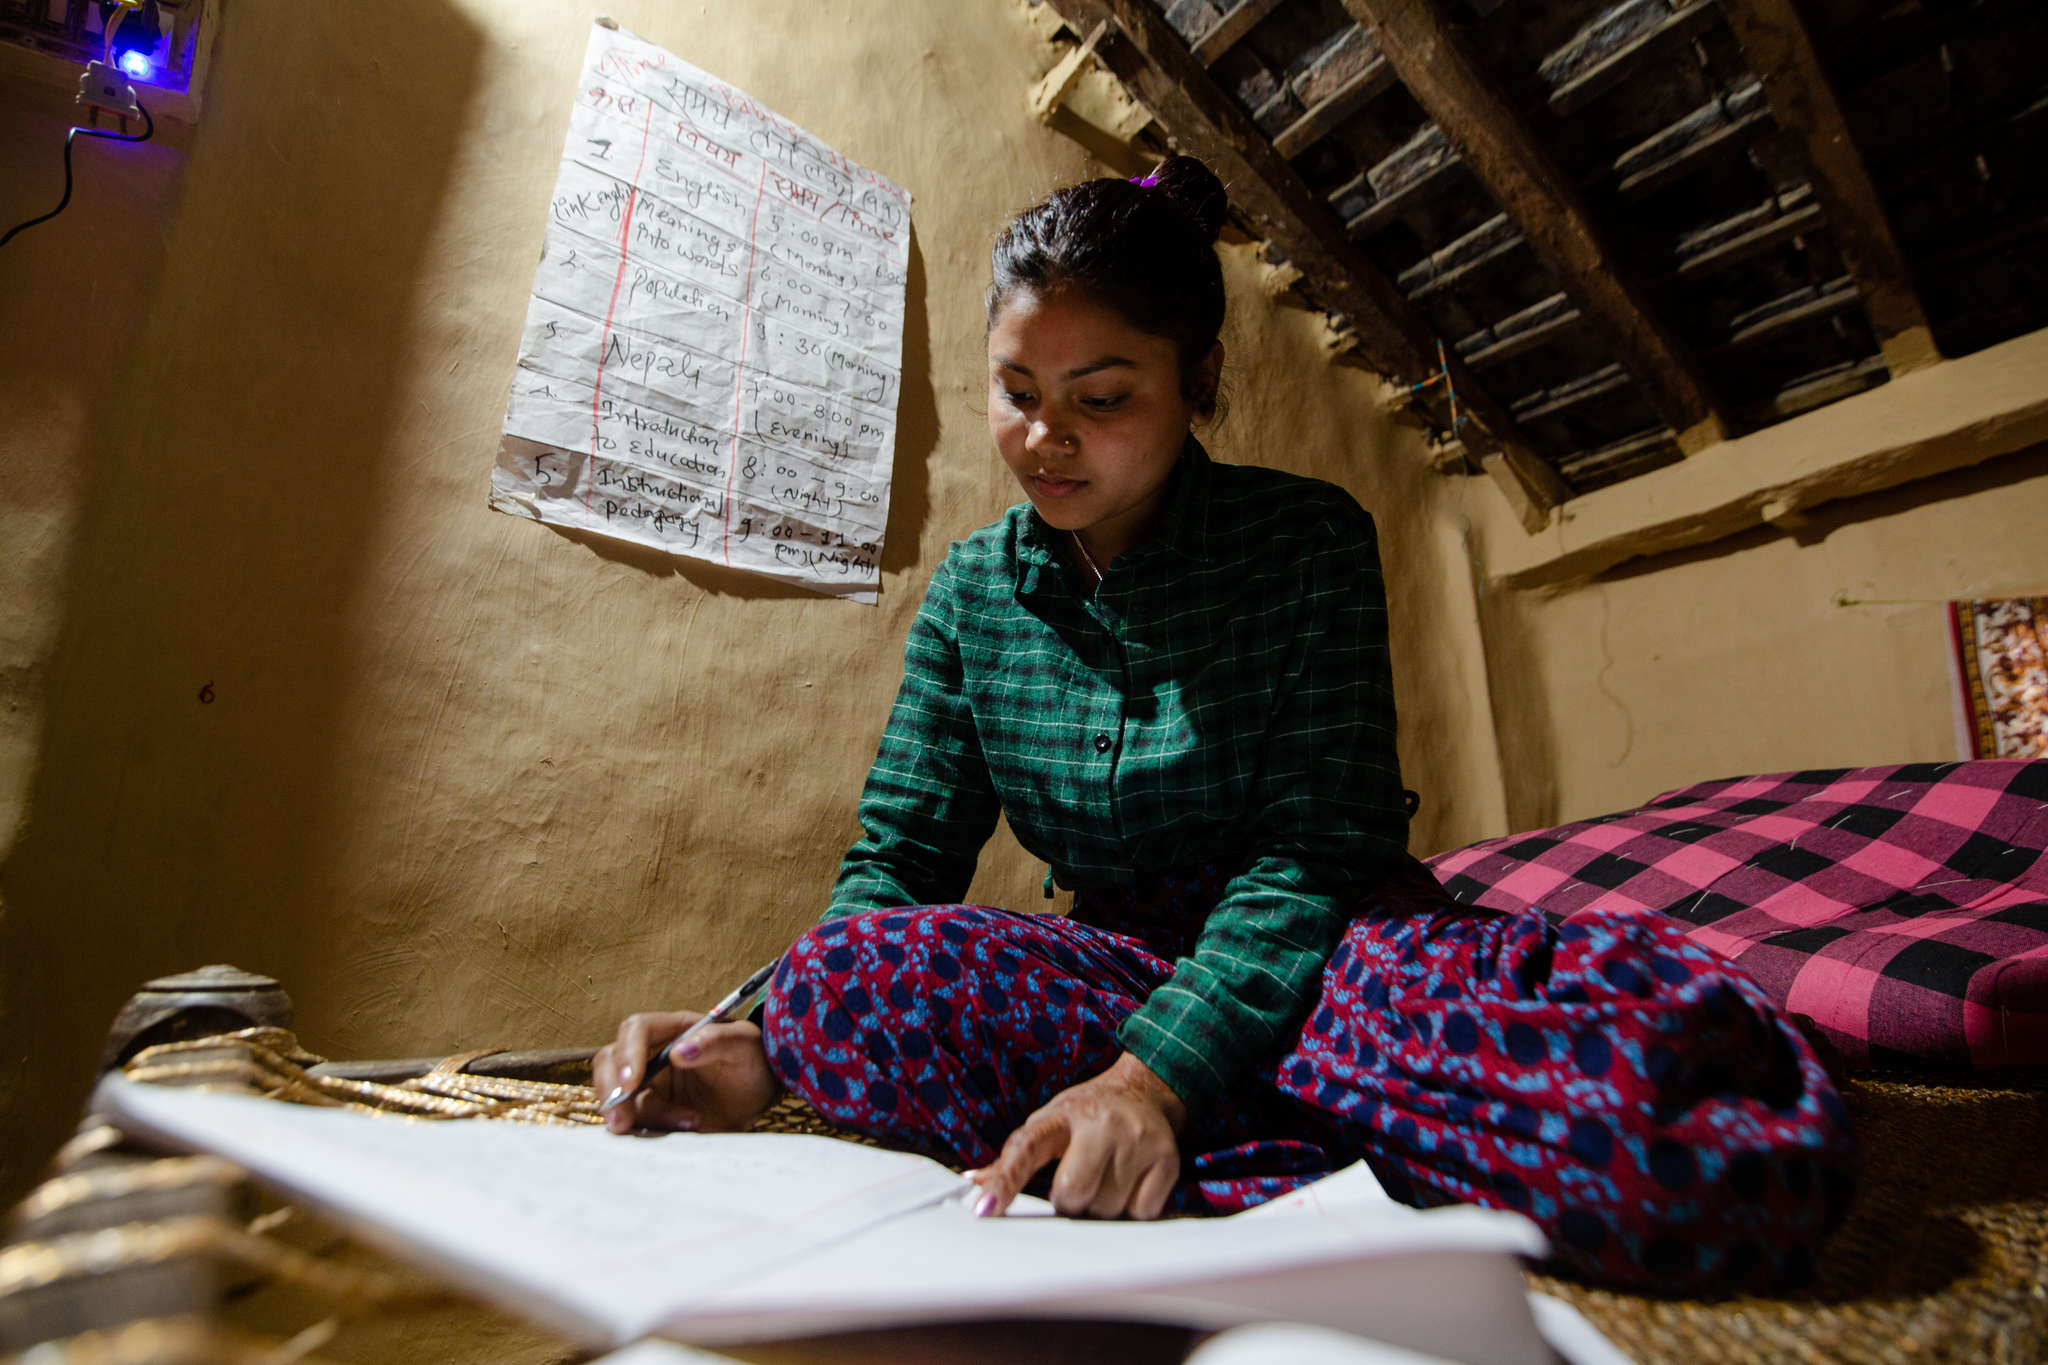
point(605, 333)
point(739, 383)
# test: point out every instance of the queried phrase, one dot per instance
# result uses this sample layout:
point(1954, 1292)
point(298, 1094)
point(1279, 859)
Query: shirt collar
point(1183, 524)
point(1184, 520)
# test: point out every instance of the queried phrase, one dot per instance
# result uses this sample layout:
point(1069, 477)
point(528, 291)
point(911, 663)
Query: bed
point(1900, 913)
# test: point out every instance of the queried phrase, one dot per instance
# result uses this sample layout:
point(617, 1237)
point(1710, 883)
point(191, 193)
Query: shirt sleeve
point(1329, 817)
point(929, 805)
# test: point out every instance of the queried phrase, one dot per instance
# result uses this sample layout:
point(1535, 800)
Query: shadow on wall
point(1521, 710)
point(917, 436)
point(2006, 471)
point(1525, 716)
point(236, 477)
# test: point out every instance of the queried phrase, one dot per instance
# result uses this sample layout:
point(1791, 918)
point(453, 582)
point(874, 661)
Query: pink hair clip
point(1147, 181)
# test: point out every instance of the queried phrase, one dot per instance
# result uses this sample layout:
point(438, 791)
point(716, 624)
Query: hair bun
point(1193, 189)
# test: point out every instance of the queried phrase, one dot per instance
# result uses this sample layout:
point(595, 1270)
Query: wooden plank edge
point(1050, 93)
point(1612, 69)
point(1230, 29)
point(1949, 416)
point(1339, 105)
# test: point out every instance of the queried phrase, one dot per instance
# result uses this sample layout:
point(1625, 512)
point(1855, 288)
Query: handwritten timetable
point(712, 353)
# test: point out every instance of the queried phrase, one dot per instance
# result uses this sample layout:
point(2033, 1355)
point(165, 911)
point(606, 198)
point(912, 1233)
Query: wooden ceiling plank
point(1432, 61)
point(1742, 246)
point(1506, 346)
point(1564, 397)
point(1803, 395)
point(1779, 316)
point(1775, 44)
point(1610, 70)
point(1631, 450)
point(1660, 173)
point(1459, 274)
point(1730, 119)
point(1452, 262)
point(1341, 104)
point(1230, 28)
point(1394, 338)
point(1470, 246)
point(1385, 209)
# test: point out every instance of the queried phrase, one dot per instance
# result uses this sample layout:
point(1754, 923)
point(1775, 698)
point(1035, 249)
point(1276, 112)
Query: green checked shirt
point(1223, 695)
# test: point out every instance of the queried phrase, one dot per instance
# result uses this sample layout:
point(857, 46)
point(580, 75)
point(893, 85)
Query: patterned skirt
point(1634, 1094)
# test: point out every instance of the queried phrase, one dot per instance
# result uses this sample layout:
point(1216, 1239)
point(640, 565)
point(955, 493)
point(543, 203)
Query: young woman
point(1171, 676)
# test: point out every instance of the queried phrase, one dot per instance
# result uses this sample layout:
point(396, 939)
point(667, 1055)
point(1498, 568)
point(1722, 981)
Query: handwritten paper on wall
point(712, 354)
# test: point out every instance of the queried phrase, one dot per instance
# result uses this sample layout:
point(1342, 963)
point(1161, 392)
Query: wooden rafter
point(1392, 336)
point(1230, 28)
point(1432, 61)
point(1777, 48)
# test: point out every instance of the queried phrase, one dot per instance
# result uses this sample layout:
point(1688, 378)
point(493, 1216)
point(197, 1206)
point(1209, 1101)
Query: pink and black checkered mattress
point(1903, 909)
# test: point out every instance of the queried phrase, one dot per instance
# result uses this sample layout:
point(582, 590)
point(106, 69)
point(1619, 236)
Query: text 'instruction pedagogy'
point(712, 354)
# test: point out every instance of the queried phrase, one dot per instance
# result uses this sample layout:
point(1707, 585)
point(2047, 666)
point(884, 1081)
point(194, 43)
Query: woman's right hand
point(719, 1083)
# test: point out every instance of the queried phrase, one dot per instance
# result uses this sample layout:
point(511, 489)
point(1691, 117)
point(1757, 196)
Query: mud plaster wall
point(1760, 653)
point(465, 781)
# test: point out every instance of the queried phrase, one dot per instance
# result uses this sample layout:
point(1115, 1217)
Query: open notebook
point(723, 1238)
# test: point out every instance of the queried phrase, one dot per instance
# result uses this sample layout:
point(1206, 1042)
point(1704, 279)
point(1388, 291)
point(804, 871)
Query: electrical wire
point(1442, 375)
point(107, 38)
point(148, 130)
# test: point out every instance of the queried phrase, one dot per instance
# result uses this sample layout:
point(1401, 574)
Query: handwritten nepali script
point(712, 354)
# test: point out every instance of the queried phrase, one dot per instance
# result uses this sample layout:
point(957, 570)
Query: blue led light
point(138, 65)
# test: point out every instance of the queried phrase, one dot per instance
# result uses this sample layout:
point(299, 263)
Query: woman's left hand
point(1113, 1137)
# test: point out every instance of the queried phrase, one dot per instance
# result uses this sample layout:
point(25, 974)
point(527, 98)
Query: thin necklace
point(1086, 558)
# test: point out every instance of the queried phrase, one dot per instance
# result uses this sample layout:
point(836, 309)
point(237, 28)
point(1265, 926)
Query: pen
point(718, 1014)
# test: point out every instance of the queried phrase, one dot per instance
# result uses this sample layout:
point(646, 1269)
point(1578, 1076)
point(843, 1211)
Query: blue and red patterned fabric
point(1903, 909)
point(1621, 1086)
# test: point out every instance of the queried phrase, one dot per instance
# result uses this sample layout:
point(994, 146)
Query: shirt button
point(1102, 743)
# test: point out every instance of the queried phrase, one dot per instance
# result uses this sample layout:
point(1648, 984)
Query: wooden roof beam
point(1432, 61)
point(1392, 335)
point(1777, 48)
